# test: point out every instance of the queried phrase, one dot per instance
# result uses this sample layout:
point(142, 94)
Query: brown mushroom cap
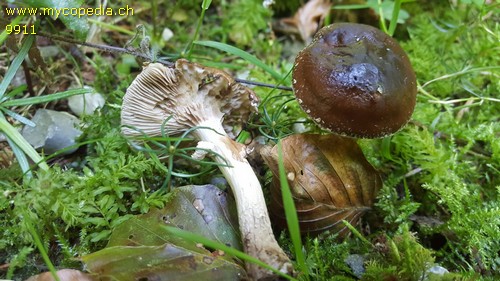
point(355, 80)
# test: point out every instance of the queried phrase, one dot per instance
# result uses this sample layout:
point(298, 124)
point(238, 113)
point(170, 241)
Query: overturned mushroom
point(191, 95)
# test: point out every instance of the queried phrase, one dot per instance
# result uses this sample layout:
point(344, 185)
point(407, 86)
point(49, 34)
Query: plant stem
point(154, 15)
point(204, 7)
point(382, 19)
point(37, 241)
point(394, 18)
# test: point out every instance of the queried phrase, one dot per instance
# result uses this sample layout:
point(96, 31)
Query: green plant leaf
point(4, 34)
point(18, 117)
point(39, 245)
point(389, 10)
point(206, 4)
point(397, 16)
point(14, 92)
point(242, 54)
point(22, 160)
point(76, 23)
point(203, 209)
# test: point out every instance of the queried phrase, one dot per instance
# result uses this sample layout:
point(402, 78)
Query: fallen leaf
point(142, 249)
point(165, 262)
point(329, 178)
point(64, 275)
point(202, 209)
point(308, 18)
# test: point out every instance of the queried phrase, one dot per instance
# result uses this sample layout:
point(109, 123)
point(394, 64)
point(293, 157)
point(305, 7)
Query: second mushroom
point(190, 96)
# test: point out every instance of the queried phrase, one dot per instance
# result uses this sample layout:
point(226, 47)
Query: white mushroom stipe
point(189, 96)
point(202, 150)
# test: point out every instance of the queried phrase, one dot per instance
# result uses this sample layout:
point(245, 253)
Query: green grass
point(20, 146)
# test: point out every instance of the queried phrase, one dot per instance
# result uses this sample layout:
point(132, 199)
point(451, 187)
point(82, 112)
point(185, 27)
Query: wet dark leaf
point(141, 249)
point(165, 262)
point(205, 210)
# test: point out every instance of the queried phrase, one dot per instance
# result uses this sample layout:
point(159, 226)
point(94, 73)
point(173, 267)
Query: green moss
point(447, 157)
point(399, 258)
point(74, 209)
point(247, 18)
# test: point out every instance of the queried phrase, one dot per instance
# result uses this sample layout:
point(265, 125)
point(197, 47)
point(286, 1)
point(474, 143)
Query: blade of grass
point(394, 18)
point(46, 98)
point(21, 142)
point(14, 92)
point(465, 70)
point(242, 54)
point(154, 20)
point(243, 136)
point(4, 34)
point(16, 62)
point(204, 6)
point(112, 27)
point(271, 93)
point(292, 219)
point(22, 160)
point(230, 251)
point(41, 248)
point(382, 19)
point(356, 232)
point(18, 117)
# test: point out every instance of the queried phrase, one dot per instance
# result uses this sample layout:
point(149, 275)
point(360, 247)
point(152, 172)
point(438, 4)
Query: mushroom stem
point(255, 226)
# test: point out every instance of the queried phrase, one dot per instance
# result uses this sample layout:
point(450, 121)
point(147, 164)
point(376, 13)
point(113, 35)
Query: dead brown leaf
point(308, 18)
point(330, 181)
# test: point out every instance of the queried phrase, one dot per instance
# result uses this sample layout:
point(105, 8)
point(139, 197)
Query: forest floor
point(94, 201)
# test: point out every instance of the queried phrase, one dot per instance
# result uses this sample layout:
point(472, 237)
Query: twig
point(113, 49)
point(467, 69)
point(106, 48)
point(260, 84)
point(29, 82)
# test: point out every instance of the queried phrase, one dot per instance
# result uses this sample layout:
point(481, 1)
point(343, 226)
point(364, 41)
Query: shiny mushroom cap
point(189, 94)
point(355, 80)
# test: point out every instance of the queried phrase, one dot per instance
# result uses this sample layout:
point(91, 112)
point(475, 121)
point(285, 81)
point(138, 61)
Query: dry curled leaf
point(308, 18)
point(6, 156)
point(329, 178)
